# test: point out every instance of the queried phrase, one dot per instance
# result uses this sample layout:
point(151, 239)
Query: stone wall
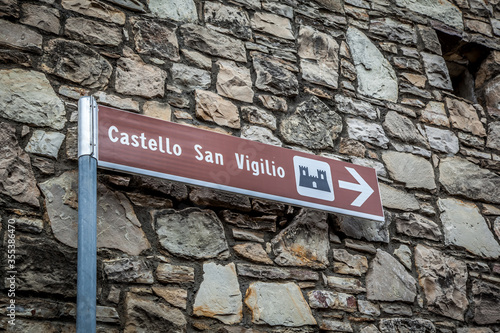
point(375, 83)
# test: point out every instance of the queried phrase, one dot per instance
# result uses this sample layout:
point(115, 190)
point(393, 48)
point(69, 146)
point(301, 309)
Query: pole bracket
point(87, 126)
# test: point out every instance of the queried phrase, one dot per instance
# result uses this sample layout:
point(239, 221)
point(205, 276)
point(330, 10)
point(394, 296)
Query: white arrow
point(361, 186)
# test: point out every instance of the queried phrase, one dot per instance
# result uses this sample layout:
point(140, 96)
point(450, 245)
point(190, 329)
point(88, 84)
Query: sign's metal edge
point(119, 167)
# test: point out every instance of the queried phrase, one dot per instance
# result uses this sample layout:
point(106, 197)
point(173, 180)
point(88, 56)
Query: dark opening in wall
point(463, 60)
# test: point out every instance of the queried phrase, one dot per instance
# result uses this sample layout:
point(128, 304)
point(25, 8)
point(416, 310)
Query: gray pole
point(87, 216)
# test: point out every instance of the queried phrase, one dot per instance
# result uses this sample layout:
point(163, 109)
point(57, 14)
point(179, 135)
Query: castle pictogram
point(318, 182)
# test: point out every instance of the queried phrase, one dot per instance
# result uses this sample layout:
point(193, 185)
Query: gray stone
point(274, 103)
point(168, 273)
point(117, 224)
point(394, 30)
point(441, 10)
point(135, 77)
point(19, 37)
point(157, 39)
point(474, 330)
point(430, 39)
point(373, 231)
point(349, 285)
point(197, 59)
point(272, 24)
point(323, 299)
point(45, 143)
point(16, 176)
point(464, 226)
point(276, 273)
point(378, 166)
point(117, 102)
point(415, 225)
point(464, 116)
point(442, 140)
point(388, 280)
point(319, 57)
point(436, 70)
point(461, 177)
point(95, 8)
point(228, 19)
point(128, 270)
point(444, 281)
point(273, 76)
point(177, 10)
point(254, 252)
point(41, 17)
point(191, 233)
point(134, 5)
point(43, 266)
point(398, 199)
point(10, 8)
point(348, 105)
point(396, 309)
point(335, 325)
point(486, 302)
point(260, 134)
point(351, 264)
point(212, 107)
point(219, 295)
point(369, 329)
point(208, 197)
point(76, 62)
point(364, 131)
point(28, 97)
point(28, 224)
point(376, 77)
point(264, 223)
point(258, 116)
point(92, 32)
point(214, 43)
point(368, 308)
point(403, 252)
point(247, 235)
point(313, 125)
point(234, 81)
point(401, 127)
point(278, 304)
point(304, 242)
point(413, 171)
point(493, 135)
point(149, 314)
point(190, 78)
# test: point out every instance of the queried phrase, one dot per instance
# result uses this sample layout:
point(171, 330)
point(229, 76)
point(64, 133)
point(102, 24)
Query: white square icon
point(313, 178)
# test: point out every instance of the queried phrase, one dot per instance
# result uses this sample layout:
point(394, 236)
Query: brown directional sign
point(138, 144)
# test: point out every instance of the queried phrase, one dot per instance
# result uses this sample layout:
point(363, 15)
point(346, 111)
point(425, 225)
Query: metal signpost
point(139, 144)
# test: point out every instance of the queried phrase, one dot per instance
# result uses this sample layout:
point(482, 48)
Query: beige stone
point(95, 8)
point(135, 77)
point(351, 264)
point(278, 304)
point(253, 251)
point(174, 273)
point(157, 110)
point(219, 295)
point(278, 26)
point(116, 101)
point(464, 116)
point(434, 113)
point(443, 279)
point(214, 108)
point(173, 295)
point(415, 79)
point(234, 81)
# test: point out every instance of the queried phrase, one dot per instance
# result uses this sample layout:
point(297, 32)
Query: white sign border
point(307, 204)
